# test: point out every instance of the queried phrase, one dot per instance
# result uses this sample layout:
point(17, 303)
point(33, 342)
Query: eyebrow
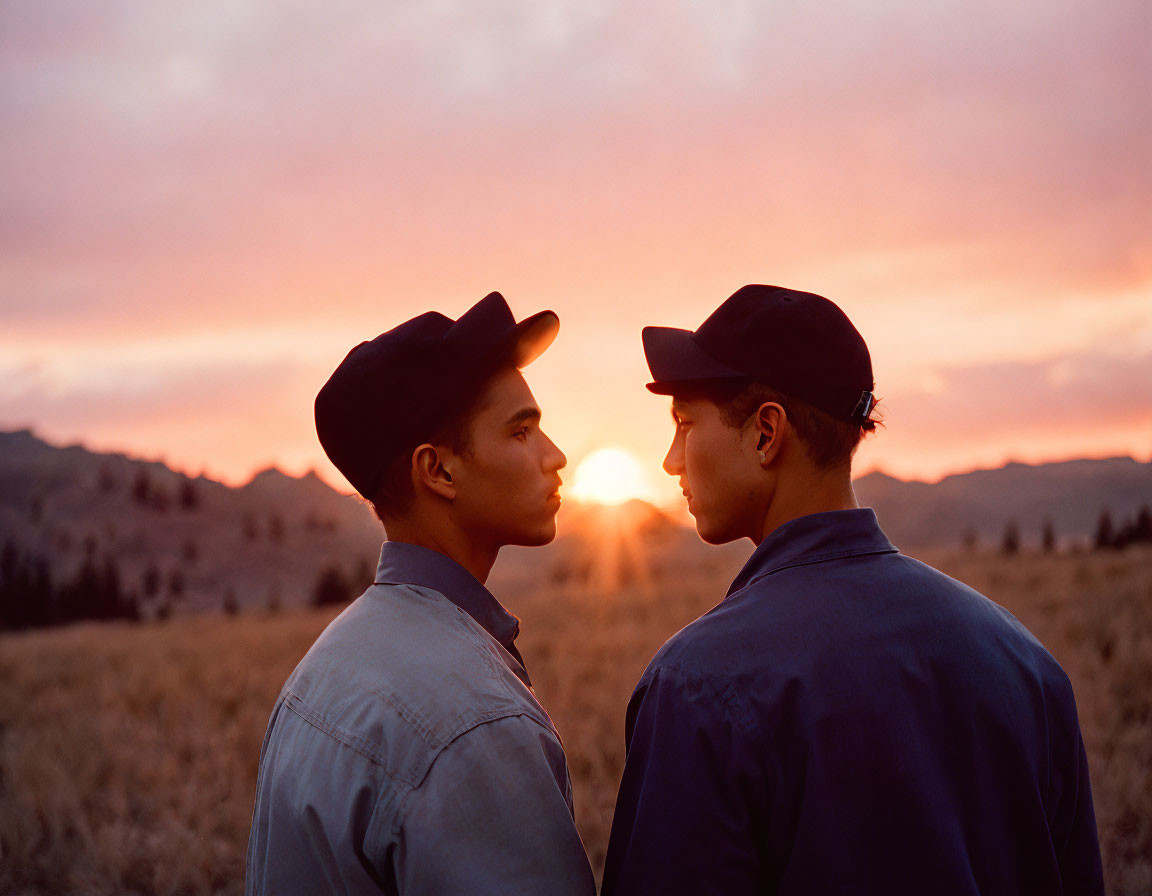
point(524, 415)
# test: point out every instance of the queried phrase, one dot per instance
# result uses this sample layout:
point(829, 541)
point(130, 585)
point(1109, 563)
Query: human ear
point(770, 419)
point(428, 470)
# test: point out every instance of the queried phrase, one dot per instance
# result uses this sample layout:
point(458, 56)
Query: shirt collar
point(815, 538)
point(409, 564)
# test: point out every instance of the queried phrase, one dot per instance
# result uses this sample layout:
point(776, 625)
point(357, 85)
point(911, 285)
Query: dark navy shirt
point(851, 721)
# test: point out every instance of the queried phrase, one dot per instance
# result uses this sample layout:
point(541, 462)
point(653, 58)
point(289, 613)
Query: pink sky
point(202, 209)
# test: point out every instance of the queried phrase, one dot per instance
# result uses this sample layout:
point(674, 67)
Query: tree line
point(333, 586)
point(1109, 536)
point(30, 597)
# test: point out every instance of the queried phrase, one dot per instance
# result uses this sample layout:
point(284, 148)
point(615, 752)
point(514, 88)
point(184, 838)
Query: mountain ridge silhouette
point(266, 543)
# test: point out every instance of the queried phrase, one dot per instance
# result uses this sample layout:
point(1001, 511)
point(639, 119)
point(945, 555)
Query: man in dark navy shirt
point(847, 720)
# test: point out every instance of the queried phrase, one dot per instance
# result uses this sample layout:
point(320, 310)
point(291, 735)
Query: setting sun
point(610, 476)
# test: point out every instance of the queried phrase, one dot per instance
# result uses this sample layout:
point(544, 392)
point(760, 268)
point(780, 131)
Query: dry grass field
point(128, 753)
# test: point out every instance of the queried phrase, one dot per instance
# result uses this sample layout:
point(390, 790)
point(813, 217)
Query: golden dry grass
point(128, 754)
point(1094, 614)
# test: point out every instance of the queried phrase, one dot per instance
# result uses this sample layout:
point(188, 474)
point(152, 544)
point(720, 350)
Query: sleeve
point(690, 813)
point(314, 798)
point(1074, 828)
point(493, 816)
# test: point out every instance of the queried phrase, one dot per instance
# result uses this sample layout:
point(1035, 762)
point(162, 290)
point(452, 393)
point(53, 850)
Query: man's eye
point(521, 433)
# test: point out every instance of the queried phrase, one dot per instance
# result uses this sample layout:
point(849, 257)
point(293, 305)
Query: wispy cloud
point(951, 418)
point(964, 180)
point(226, 418)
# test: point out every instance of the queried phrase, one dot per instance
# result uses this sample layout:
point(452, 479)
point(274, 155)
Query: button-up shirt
point(851, 721)
point(407, 753)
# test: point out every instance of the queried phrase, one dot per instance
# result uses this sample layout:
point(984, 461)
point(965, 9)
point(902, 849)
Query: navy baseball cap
point(798, 343)
point(392, 393)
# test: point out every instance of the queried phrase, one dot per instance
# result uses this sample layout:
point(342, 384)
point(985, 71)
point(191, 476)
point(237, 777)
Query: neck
point(446, 539)
point(806, 492)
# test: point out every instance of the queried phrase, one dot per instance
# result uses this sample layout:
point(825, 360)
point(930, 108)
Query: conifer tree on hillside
point(1137, 530)
point(363, 576)
point(1105, 534)
point(142, 487)
point(27, 598)
point(189, 496)
point(331, 588)
point(30, 599)
point(1142, 528)
point(1010, 542)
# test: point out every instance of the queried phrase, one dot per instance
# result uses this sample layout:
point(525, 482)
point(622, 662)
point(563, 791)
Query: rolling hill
point(1070, 494)
point(181, 544)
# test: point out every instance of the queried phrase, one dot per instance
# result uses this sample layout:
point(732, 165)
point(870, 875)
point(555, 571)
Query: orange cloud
point(249, 189)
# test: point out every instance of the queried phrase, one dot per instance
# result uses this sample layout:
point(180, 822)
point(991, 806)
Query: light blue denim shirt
point(408, 754)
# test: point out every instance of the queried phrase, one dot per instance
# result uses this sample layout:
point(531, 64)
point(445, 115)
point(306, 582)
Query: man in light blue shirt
point(407, 752)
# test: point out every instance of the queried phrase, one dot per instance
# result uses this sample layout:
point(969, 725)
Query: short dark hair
point(829, 442)
point(395, 493)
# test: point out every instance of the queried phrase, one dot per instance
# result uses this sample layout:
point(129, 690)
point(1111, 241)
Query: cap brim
point(488, 333)
point(675, 360)
point(533, 335)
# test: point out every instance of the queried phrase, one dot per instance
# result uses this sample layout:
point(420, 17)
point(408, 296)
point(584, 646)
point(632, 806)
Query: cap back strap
point(864, 406)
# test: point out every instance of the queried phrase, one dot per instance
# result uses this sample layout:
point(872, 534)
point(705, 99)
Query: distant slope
point(1071, 494)
point(192, 544)
point(181, 543)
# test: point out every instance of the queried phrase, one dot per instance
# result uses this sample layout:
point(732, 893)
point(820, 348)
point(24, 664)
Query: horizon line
point(275, 467)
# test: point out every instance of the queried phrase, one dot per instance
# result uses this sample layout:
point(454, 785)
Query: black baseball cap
point(397, 390)
point(798, 343)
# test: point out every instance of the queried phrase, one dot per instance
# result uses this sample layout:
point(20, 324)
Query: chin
point(538, 536)
point(712, 534)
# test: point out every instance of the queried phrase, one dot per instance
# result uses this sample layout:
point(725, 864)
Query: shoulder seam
point(365, 747)
point(820, 558)
point(360, 744)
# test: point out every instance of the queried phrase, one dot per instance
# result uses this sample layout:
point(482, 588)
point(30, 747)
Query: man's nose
point(554, 458)
point(674, 459)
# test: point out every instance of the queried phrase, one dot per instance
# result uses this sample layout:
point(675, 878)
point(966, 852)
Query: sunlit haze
point(205, 206)
point(610, 476)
